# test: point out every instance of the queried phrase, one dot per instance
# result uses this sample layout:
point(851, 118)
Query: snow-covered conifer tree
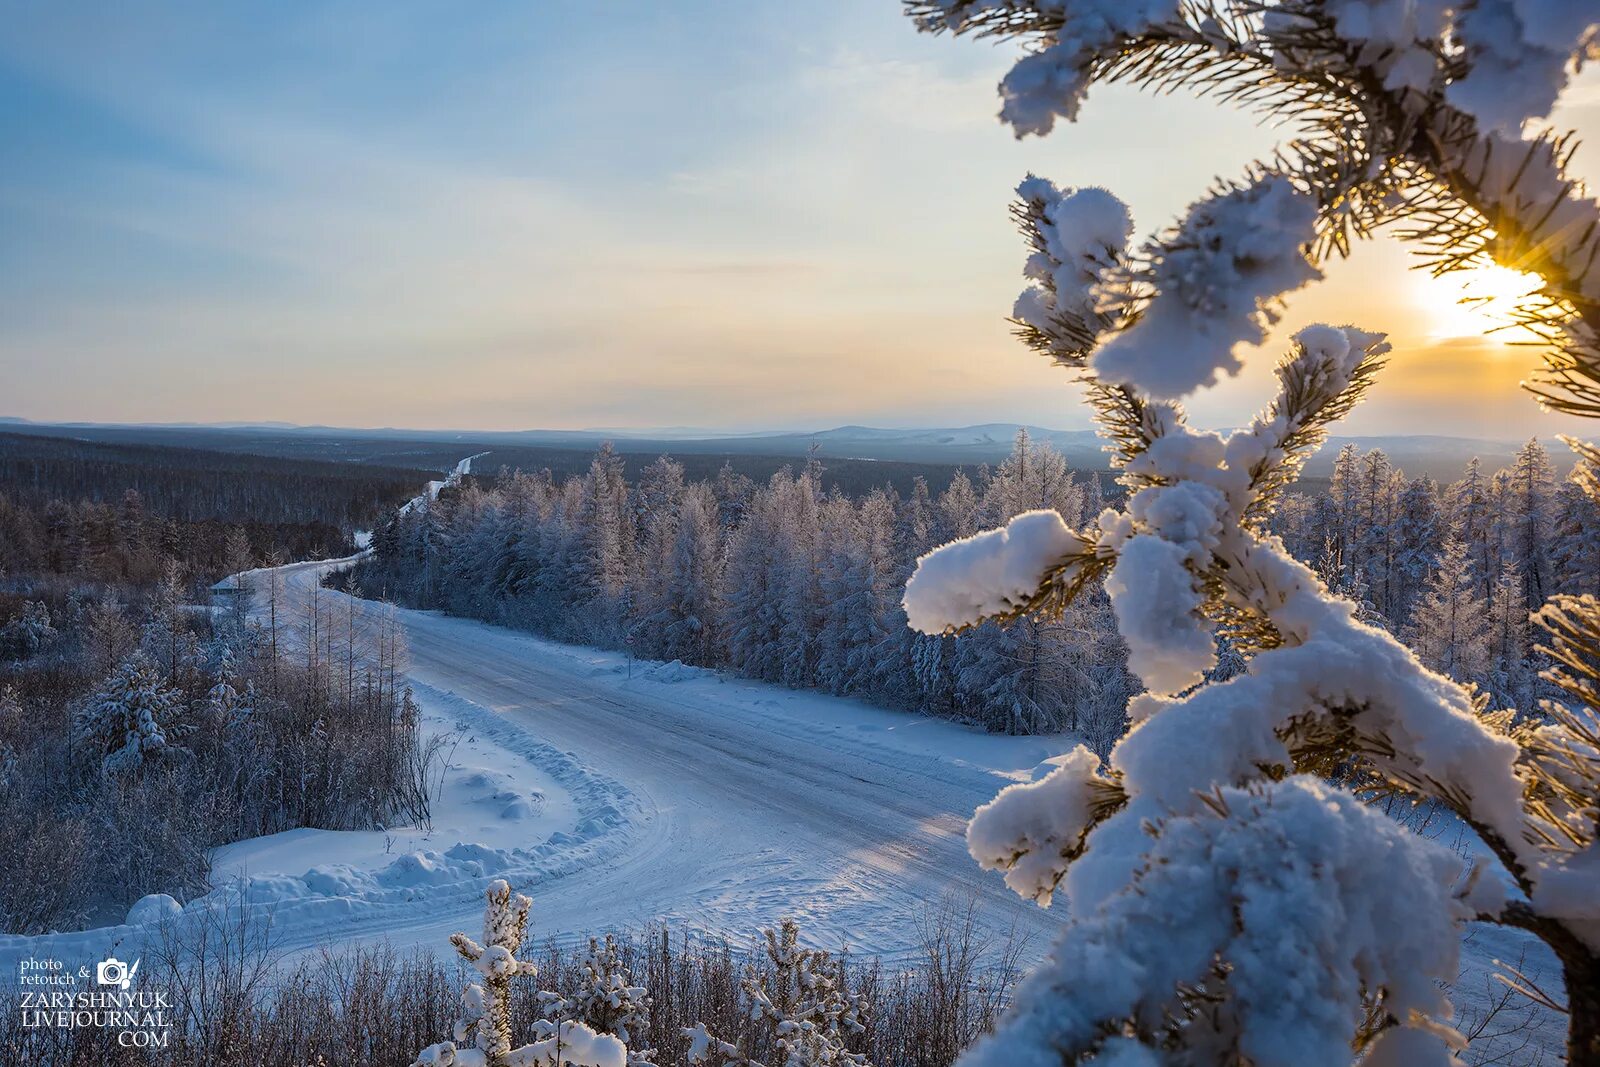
point(802, 1004)
point(224, 702)
point(1530, 518)
point(1575, 546)
point(482, 1036)
point(1466, 510)
point(657, 505)
point(1510, 671)
point(1376, 527)
point(1450, 629)
point(132, 718)
point(607, 1002)
point(1227, 903)
point(28, 633)
point(798, 580)
point(691, 583)
point(1416, 543)
point(607, 527)
point(753, 583)
point(861, 613)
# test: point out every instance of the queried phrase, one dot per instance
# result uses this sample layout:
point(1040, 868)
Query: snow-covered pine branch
point(1193, 839)
point(994, 573)
point(1276, 902)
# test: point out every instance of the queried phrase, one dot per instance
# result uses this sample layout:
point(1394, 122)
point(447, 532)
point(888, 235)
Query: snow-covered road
point(747, 801)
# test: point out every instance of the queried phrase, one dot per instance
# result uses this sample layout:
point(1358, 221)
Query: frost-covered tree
point(658, 501)
point(1466, 510)
point(224, 702)
point(608, 527)
point(861, 617)
point(1416, 544)
point(1529, 517)
point(134, 717)
point(803, 1008)
point(482, 1036)
point(691, 584)
point(1451, 630)
point(607, 1001)
point(1228, 904)
point(1510, 672)
point(753, 584)
point(1575, 545)
point(28, 633)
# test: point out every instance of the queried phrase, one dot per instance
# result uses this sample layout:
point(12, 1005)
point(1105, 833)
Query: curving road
point(755, 801)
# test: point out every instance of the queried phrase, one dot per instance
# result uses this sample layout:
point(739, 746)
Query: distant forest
point(192, 484)
point(117, 514)
point(227, 449)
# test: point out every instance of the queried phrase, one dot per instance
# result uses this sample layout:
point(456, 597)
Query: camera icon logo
point(114, 972)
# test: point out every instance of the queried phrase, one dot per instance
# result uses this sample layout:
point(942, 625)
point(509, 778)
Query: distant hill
point(1441, 457)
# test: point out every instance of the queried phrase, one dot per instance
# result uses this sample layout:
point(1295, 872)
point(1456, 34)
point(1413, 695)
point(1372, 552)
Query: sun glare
point(1471, 303)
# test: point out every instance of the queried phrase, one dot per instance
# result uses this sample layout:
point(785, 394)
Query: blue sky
point(732, 214)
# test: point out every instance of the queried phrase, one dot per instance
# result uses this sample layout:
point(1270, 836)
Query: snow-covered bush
point(1227, 904)
point(803, 1006)
point(225, 703)
point(29, 633)
point(131, 718)
point(607, 1001)
point(482, 1036)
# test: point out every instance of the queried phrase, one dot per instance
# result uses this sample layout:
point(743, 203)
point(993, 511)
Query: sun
point(1472, 302)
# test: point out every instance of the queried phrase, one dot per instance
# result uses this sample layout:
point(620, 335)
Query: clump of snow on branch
point(1031, 828)
point(1510, 58)
point(1051, 81)
point(1216, 280)
point(1157, 606)
point(1301, 892)
point(990, 573)
point(1519, 53)
point(1399, 41)
point(1084, 235)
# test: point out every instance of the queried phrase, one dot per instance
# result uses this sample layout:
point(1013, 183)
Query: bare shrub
point(236, 1004)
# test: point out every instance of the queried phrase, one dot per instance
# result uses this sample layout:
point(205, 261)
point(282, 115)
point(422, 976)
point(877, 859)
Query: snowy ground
point(617, 795)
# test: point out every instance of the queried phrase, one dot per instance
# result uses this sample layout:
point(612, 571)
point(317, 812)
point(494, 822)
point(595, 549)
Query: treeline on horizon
point(194, 484)
point(851, 476)
point(112, 514)
point(792, 583)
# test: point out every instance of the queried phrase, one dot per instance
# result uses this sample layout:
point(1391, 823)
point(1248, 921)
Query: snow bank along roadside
point(565, 817)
